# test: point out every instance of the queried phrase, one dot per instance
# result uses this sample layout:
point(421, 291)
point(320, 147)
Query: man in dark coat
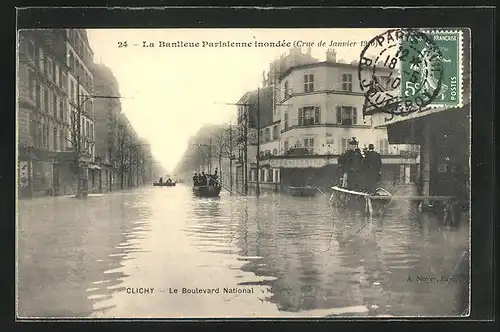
point(195, 179)
point(346, 164)
point(356, 171)
point(371, 167)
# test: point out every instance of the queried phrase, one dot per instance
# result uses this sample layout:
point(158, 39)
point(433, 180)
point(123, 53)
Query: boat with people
point(161, 183)
point(207, 191)
point(164, 184)
point(206, 185)
point(358, 176)
point(373, 204)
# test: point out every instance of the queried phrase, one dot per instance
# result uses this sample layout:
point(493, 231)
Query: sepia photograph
point(243, 173)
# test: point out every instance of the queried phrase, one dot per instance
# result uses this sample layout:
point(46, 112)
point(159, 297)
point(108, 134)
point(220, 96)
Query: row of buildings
point(72, 136)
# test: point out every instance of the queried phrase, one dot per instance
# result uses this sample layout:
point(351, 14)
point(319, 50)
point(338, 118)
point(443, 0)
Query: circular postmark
point(400, 72)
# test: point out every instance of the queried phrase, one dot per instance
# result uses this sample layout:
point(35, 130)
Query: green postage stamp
point(412, 70)
point(440, 68)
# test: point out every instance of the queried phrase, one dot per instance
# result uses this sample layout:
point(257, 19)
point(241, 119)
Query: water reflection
point(302, 257)
point(317, 258)
point(71, 252)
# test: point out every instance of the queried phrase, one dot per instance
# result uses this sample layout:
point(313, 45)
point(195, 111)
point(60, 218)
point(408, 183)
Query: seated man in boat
point(161, 180)
point(372, 166)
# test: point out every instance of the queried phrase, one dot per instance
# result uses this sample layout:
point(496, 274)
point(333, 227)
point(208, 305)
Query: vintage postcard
point(243, 173)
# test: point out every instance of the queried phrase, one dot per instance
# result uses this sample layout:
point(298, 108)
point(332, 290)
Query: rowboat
point(307, 191)
point(207, 191)
point(164, 184)
point(373, 204)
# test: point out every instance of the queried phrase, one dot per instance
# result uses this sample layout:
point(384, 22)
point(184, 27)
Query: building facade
point(107, 112)
point(43, 117)
point(79, 60)
point(313, 109)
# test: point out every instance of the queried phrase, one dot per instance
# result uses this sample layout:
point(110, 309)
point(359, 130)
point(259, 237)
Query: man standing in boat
point(371, 168)
point(347, 162)
point(195, 179)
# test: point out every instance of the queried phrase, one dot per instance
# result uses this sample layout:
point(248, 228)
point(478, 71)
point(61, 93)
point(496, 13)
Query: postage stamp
point(424, 69)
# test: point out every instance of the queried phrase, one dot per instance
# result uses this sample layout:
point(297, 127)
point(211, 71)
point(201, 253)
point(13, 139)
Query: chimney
point(331, 55)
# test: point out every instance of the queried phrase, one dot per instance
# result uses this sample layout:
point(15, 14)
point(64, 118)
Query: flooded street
point(160, 252)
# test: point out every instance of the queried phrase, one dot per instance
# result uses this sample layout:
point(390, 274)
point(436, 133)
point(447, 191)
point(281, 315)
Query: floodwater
point(159, 252)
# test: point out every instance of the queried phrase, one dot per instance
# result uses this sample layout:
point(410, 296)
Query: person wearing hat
point(371, 168)
point(346, 162)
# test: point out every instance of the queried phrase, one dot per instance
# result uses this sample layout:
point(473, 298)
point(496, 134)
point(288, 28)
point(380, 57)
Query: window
point(56, 141)
point(87, 132)
point(61, 110)
point(71, 61)
point(285, 146)
point(309, 145)
point(45, 136)
point(38, 96)
point(267, 135)
point(31, 50)
point(271, 173)
point(92, 132)
point(50, 69)
point(309, 115)
point(57, 76)
point(55, 103)
point(31, 84)
point(347, 115)
point(64, 81)
point(276, 134)
point(346, 82)
point(285, 123)
point(41, 60)
point(308, 83)
point(61, 140)
point(383, 146)
point(286, 93)
point(262, 175)
point(46, 99)
point(32, 128)
point(275, 152)
point(38, 133)
point(75, 93)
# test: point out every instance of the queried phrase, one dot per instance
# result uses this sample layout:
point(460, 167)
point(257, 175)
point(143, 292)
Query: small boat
point(306, 191)
point(164, 184)
point(207, 191)
point(372, 204)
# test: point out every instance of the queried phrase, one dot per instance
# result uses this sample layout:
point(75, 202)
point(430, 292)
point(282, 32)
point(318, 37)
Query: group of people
point(203, 179)
point(357, 171)
point(168, 181)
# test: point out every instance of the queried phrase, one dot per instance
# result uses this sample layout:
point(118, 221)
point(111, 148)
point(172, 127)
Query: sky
point(169, 93)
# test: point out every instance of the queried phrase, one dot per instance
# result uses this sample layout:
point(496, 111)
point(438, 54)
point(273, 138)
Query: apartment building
point(317, 107)
point(42, 110)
